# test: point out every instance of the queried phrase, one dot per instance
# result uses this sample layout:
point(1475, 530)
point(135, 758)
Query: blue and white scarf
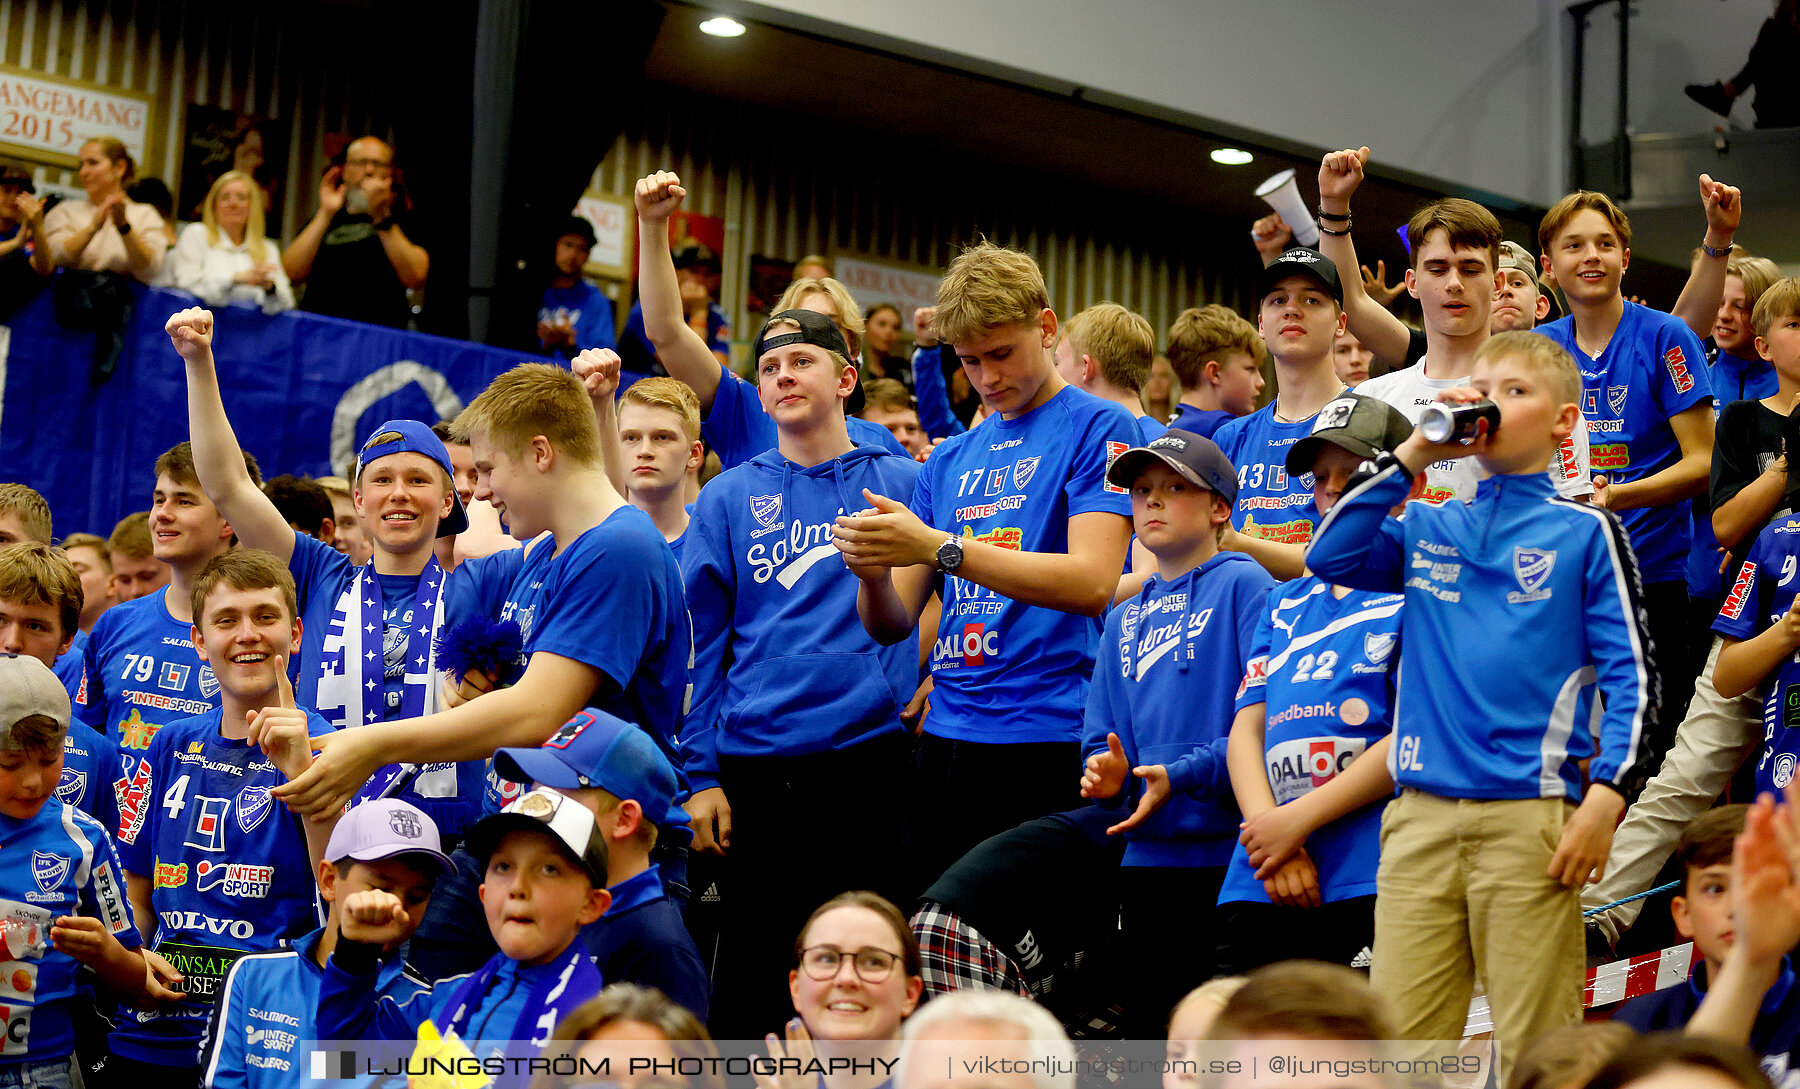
point(351, 676)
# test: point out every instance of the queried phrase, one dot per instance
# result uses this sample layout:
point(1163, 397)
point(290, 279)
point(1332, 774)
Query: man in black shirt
point(354, 255)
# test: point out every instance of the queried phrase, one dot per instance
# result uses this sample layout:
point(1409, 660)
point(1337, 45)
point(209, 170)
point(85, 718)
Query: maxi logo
point(134, 802)
point(1678, 371)
point(208, 833)
point(1740, 591)
point(792, 555)
point(1113, 450)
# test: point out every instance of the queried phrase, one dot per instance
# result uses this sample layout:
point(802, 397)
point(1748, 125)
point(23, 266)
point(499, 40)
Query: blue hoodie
point(1165, 681)
point(782, 664)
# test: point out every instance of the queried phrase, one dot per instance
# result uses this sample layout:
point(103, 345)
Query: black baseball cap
point(1299, 260)
point(1362, 425)
point(580, 228)
point(815, 328)
point(1199, 460)
point(18, 179)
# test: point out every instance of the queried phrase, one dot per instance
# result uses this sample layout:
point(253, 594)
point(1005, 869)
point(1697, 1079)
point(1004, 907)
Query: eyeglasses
point(378, 167)
point(871, 965)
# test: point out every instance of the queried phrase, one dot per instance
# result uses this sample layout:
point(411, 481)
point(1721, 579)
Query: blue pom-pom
point(480, 645)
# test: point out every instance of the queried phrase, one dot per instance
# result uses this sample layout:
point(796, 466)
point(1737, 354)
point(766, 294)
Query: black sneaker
point(1600, 948)
point(1710, 95)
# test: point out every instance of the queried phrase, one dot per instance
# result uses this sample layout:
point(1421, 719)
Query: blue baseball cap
point(413, 437)
point(595, 750)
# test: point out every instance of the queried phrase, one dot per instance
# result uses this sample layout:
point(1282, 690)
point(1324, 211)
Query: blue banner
point(301, 390)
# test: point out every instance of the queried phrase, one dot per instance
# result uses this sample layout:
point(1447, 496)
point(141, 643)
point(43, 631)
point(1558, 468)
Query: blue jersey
point(257, 1035)
point(1760, 596)
point(679, 544)
point(92, 776)
point(1270, 503)
point(1733, 379)
point(1171, 658)
point(228, 866)
point(1517, 606)
point(59, 862)
point(141, 673)
point(1653, 369)
point(1204, 422)
point(585, 308)
point(737, 429)
point(1323, 667)
point(612, 600)
point(782, 664)
point(1006, 671)
point(69, 662)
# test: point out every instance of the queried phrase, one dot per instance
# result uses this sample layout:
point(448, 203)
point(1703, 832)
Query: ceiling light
point(1231, 156)
point(721, 27)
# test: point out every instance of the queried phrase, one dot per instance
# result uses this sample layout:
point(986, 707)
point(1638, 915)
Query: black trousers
point(969, 790)
point(1670, 613)
point(1168, 938)
point(1253, 934)
point(803, 829)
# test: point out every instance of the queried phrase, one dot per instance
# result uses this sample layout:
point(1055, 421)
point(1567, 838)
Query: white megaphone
point(1282, 193)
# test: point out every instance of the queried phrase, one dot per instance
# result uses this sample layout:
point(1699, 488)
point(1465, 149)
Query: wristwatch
point(950, 555)
point(1710, 252)
point(385, 224)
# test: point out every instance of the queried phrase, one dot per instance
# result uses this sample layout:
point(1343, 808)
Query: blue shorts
point(41, 1074)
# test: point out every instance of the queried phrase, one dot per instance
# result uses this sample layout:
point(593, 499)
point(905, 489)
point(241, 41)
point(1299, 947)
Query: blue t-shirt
point(229, 871)
point(1324, 669)
point(737, 429)
point(1764, 590)
point(1204, 422)
point(1006, 671)
point(584, 307)
point(679, 544)
point(57, 862)
point(141, 673)
point(92, 775)
point(612, 600)
point(1170, 660)
point(1270, 503)
point(1653, 369)
point(399, 596)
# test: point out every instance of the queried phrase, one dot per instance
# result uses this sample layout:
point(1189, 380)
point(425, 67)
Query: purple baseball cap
point(385, 828)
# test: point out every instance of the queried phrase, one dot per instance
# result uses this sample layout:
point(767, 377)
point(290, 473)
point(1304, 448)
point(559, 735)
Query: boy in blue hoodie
point(1523, 612)
point(544, 879)
point(792, 697)
point(1160, 710)
point(269, 1000)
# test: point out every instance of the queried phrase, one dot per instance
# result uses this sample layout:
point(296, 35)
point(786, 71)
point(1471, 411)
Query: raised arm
point(297, 260)
point(218, 459)
point(1698, 305)
point(598, 369)
point(683, 352)
point(1340, 173)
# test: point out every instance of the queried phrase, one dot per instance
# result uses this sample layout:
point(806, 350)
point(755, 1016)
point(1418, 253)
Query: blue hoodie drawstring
point(1187, 612)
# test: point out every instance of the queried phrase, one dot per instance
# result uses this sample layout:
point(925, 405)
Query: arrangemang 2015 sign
point(47, 118)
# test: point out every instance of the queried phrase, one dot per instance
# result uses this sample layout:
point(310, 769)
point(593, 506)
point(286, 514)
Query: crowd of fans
point(1109, 706)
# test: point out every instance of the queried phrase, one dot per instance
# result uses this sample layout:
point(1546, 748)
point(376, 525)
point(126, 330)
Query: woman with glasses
point(225, 258)
point(855, 979)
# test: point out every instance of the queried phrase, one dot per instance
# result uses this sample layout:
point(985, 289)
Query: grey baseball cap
point(27, 687)
point(1362, 425)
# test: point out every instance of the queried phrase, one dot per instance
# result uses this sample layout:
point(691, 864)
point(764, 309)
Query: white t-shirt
point(1410, 391)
